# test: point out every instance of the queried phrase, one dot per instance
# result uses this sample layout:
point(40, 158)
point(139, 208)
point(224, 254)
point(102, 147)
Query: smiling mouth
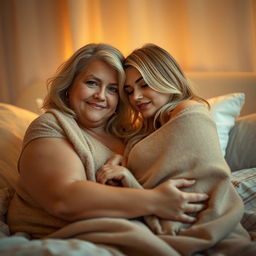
point(95, 105)
point(143, 106)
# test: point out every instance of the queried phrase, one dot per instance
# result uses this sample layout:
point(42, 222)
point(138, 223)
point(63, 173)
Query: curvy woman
point(58, 196)
point(170, 134)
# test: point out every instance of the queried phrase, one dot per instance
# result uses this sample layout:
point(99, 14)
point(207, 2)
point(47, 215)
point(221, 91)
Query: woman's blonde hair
point(59, 85)
point(163, 74)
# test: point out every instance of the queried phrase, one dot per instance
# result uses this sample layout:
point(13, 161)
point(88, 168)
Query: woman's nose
point(100, 94)
point(137, 95)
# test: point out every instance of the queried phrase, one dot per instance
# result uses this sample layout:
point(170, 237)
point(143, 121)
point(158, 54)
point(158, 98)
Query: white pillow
point(224, 110)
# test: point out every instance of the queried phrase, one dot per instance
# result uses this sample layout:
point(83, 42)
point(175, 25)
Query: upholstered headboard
point(211, 84)
point(206, 84)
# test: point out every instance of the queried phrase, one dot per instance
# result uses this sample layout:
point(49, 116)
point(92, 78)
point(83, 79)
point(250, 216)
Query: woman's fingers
point(181, 183)
point(191, 209)
point(115, 159)
point(101, 176)
point(194, 208)
point(187, 218)
point(110, 172)
point(193, 197)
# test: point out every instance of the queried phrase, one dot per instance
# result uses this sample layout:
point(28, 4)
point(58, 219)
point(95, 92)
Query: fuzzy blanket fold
point(118, 236)
point(188, 147)
point(188, 151)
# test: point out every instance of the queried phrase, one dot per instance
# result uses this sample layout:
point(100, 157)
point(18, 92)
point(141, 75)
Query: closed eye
point(128, 90)
point(144, 86)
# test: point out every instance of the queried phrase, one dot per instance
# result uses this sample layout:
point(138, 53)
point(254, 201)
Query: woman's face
point(93, 95)
point(141, 97)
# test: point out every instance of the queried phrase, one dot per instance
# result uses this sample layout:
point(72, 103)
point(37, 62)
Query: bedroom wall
point(212, 84)
point(203, 35)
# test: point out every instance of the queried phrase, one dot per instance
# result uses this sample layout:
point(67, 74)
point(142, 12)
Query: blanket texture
point(117, 236)
point(188, 151)
point(188, 147)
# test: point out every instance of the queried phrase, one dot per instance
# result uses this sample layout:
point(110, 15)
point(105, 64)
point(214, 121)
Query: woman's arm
point(53, 174)
point(114, 174)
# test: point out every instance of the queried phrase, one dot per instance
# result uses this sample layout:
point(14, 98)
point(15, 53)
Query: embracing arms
point(182, 203)
point(54, 176)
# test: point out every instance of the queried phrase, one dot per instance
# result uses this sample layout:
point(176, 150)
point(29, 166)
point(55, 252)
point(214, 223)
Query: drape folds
point(203, 35)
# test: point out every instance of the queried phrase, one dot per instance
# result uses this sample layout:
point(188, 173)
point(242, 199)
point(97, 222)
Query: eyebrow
point(140, 78)
point(99, 80)
point(92, 77)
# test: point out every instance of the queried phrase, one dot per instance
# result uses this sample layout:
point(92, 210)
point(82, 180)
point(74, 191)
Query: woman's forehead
point(132, 75)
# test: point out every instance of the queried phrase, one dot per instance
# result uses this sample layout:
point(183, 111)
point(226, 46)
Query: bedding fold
point(188, 147)
point(156, 158)
point(118, 236)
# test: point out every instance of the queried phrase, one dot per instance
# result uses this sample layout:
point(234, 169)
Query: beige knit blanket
point(118, 236)
point(188, 147)
point(188, 151)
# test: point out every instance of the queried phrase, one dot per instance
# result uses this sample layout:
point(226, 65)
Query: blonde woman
point(58, 196)
point(170, 134)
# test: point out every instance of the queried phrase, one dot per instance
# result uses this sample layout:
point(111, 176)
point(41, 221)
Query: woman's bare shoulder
point(50, 157)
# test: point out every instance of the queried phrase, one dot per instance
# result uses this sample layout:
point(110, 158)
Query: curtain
point(203, 35)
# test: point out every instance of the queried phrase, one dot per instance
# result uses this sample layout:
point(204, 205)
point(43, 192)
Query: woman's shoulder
point(44, 125)
point(186, 104)
point(43, 119)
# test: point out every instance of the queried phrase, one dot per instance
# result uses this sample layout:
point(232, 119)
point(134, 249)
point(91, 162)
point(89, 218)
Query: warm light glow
point(66, 29)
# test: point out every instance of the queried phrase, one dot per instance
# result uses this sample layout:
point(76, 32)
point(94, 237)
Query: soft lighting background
point(36, 36)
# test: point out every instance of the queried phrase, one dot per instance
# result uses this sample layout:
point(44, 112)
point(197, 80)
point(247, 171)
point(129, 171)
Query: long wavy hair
point(59, 85)
point(163, 74)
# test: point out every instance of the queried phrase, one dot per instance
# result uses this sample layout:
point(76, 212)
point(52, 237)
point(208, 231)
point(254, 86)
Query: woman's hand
point(112, 173)
point(174, 204)
point(116, 175)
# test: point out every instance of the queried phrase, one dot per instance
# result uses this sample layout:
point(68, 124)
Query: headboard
point(211, 84)
point(206, 84)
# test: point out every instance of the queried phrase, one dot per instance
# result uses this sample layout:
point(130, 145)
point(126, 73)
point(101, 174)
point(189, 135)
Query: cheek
point(114, 100)
point(131, 101)
point(165, 100)
point(79, 94)
point(84, 92)
point(162, 99)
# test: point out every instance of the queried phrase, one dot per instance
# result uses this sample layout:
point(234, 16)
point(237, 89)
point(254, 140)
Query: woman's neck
point(107, 139)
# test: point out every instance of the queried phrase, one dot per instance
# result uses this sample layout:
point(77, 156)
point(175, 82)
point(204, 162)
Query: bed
point(231, 96)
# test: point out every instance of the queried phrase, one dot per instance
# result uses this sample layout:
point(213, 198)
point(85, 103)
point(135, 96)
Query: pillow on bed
point(224, 110)
point(13, 124)
point(241, 148)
